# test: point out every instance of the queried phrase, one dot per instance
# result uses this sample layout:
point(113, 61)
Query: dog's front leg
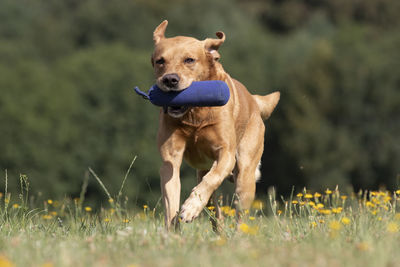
point(171, 150)
point(200, 195)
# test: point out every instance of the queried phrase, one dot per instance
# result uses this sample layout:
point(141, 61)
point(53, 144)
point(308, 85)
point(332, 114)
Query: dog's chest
point(199, 154)
point(198, 160)
point(198, 130)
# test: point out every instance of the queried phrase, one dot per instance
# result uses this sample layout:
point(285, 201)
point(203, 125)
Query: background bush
point(67, 69)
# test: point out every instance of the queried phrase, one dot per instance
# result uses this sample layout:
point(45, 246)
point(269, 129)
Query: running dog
point(217, 141)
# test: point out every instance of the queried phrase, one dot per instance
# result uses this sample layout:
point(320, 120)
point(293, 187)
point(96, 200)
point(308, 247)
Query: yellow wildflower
point(313, 224)
point(345, 220)
point(299, 195)
point(335, 225)
point(125, 220)
point(328, 192)
point(53, 213)
point(106, 219)
point(398, 192)
point(112, 210)
point(370, 204)
point(145, 207)
point(295, 202)
point(279, 212)
point(244, 228)
point(382, 194)
point(49, 201)
point(47, 217)
point(111, 200)
point(247, 229)
point(228, 211)
point(88, 209)
point(386, 199)
point(337, 210)
point(311, 203)
point(321, 221)
point(319, 206)
point(308, 196)
point(257, 205)
point(225, 209)
point(4, 262)
point(325, 211)
point(231, 212)
point(15, 206)
point(343, 197)
point(252, 218)
point(392, 227)
point(316, 194)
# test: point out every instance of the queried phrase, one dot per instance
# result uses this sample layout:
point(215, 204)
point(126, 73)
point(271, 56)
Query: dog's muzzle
point(171, 80)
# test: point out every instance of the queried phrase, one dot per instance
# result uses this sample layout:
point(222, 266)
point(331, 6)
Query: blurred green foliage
point(67, 69)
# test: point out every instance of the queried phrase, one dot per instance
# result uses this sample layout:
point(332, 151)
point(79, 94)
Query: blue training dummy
point(198, 94)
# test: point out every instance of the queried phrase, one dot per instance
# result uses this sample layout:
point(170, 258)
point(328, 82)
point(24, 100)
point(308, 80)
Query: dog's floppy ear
point(212, 45)
point(159, 32)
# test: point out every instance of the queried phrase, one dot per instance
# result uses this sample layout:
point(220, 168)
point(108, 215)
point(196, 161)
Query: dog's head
point(180, 60)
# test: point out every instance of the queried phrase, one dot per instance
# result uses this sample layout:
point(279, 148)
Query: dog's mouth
point(177, 112)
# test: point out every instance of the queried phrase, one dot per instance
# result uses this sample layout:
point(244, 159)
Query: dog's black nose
point(171, 80)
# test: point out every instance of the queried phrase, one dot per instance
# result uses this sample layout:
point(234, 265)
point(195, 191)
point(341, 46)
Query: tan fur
point(217, 141)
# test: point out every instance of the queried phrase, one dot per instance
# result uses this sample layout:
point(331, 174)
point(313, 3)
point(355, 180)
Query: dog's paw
point(192, 207)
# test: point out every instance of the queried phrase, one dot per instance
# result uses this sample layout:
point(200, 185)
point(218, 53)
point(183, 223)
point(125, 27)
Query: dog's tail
point(267, 103)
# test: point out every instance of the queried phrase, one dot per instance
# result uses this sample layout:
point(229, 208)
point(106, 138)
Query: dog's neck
point(198, 117)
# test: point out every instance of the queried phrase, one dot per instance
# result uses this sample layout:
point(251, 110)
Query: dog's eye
point(189, 60)
point(160, 61)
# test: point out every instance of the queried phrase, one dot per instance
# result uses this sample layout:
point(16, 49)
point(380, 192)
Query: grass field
point(309, 229)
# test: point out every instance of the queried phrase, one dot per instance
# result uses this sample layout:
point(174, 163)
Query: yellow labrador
point(217, 141)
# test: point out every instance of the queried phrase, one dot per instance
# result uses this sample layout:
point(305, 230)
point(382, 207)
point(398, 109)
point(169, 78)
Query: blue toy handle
point(141, 93)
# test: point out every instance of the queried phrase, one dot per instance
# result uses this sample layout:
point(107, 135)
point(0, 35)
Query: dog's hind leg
point(248, 159)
